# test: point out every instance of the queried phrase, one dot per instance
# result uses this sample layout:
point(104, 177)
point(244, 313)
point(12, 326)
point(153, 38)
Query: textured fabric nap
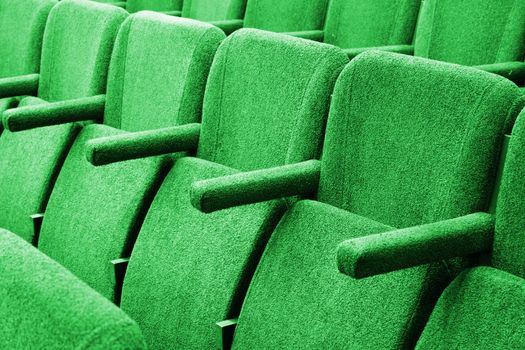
point(77, 48)
point(266, 100)
point(439, 128)
point(188, 269)
point(213, 10)
point(508, 253)
point(472, 32)
point(43, 306)
point(153, 5)
point(363, 23)
point(158, 71)
point(482, 309)
point(266, 103)
point(22, 24)
point(94, 214)
point(285, 16)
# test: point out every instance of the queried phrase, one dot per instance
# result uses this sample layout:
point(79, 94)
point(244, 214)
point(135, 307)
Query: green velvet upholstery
point(77, 47)
point(94, 214)
point(482, 309)
point(363, 23)
point(33, 158)
point(22, 24)
point(472, 32)
point(266, 102)
point(388, 114)
point(213, 10)
point(153, 5)
point(508, 253)
point(159, 58)
point(43, 306)
point(285, 16)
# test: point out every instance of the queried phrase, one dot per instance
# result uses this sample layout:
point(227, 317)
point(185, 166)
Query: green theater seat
point(113, 2)
point(409, 141)
point(44, 306)
point(213, 10)
point(77, 46)
point(265, 105)
point(357, 24)
point(169, 7)
point(157, 78)
point(482, 309)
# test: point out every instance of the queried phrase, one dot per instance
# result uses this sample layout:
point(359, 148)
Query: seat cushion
point(43, 306)
point(482, 309)
point(30, 161)
point(298, 299)
point(189, 270)
point(94, 213)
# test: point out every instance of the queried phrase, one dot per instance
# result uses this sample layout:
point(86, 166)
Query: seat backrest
point(482, 309)
point(77, 46)
point(22, 24)
point(363, 23)
point(158, 71)
point(285, 16)
point(266, 100)
point(94, 213)
point(44, 306)
point(213, 10)
point(508, 252)
point(471, 32)
point(153, 5)
point(412, 141)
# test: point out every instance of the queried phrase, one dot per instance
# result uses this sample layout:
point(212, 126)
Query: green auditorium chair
point(213, 10)
point(169, 7)
point(485, 34)
point(76, 50)
point(409, 141)
point(157, 79)
point(113, 2)
point(483, 307)
point(357, 25)
point(44, 306)
point(265, 105)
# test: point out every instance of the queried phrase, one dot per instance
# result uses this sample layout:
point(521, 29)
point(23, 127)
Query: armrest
point(30, 117)
point(176, 13)
point(255, 186)
point(19, 85)
point(514, 71)
point(134, 145)
point(404, 248)
point(401, 49)
point(315, 35)
point(228, 26)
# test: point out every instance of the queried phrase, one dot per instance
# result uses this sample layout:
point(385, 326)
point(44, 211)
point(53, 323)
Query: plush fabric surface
point(439, 126)
point(298, 299)
point(363, 23)
point(266, 100)
point(508, 253)
point(158, 71)
point(153, 5)
point(213, 10)
point(189, 270)
point(30, 161)
point(22, 24)
point(471, 32)
point(482, 309)
point(43, 306)
point(77, 47)
point(285, 16)
point(94, 214)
